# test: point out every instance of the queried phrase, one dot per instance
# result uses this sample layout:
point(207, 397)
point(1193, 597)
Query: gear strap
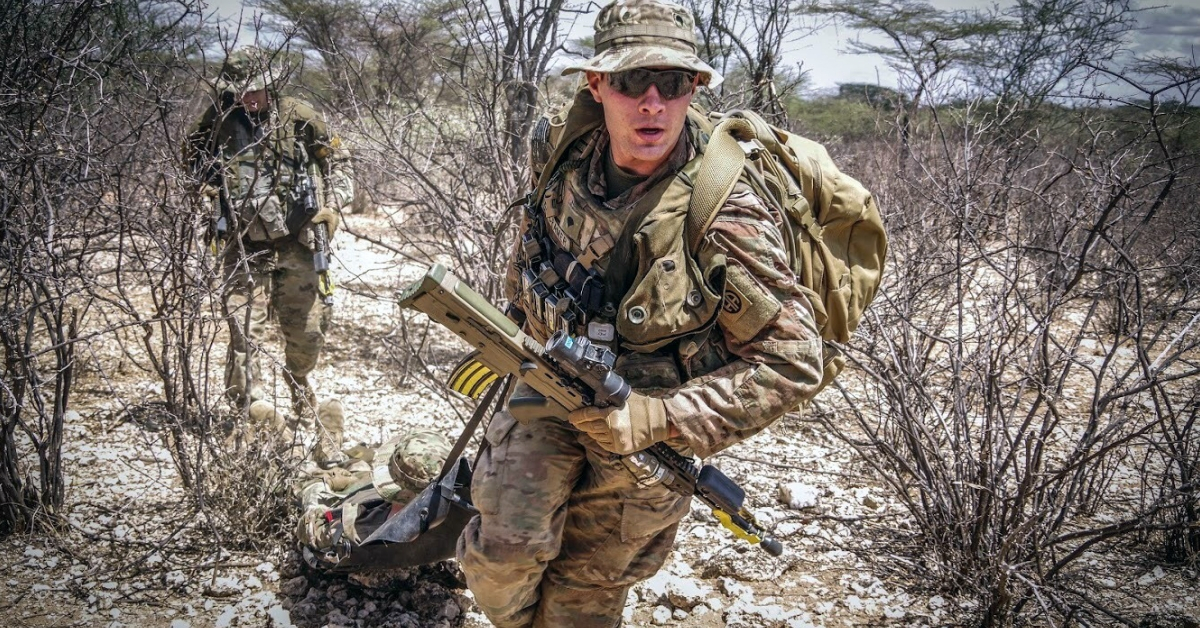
point(469, 429)
point(584, 116)
point(723, 162)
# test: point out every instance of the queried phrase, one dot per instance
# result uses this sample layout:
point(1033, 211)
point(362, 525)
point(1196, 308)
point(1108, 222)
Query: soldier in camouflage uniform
point(397, 471)
point(564, 529)
point(249, 149)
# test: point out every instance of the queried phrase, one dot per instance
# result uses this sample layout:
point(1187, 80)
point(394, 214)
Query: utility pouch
point(254, 201)
point(649, 372)
point(265, 218)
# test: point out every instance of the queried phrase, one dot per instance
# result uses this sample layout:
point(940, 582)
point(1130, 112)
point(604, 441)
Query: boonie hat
point(646, 33)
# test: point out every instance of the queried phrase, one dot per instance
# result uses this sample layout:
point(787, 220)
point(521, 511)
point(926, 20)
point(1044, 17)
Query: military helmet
point(250, 69)
point(418, 458)
point(643, 34)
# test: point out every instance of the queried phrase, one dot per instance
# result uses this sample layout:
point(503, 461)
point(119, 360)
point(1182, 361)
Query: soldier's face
point(643, 129)
point(255, 101)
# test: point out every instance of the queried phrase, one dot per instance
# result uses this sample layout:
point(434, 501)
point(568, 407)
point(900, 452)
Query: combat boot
point(262, 423)
point(331, 423)
point(325, 420)
point(263, 416)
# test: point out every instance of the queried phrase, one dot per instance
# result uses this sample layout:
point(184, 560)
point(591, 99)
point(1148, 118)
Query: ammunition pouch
point(272, 214)
point(556, 289)
point(262, 218)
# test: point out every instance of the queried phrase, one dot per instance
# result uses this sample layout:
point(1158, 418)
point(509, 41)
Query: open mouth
point(650, 134)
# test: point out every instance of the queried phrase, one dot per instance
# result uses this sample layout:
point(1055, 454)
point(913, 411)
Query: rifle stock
point(502, 346)
point(567, 372)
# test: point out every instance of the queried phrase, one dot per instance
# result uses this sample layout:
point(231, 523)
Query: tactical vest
point(258, 163)
point(636, 289)
point(831, 226)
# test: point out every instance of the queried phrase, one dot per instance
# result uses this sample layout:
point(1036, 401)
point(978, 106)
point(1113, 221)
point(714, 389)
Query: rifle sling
point(472, 425)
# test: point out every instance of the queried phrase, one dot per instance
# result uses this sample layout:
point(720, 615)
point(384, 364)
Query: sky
point(1169, 28)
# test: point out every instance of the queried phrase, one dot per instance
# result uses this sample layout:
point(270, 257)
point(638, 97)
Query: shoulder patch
point(746, 307)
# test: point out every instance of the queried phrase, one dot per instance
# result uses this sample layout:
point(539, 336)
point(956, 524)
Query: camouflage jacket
point(254, 158)
point(755, 353)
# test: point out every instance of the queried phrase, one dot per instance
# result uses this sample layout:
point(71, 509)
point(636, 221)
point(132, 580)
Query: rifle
point(573, 373)
point(305, 193)
point(320, 235)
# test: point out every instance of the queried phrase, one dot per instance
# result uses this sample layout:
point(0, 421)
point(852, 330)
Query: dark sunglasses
point(671, 84)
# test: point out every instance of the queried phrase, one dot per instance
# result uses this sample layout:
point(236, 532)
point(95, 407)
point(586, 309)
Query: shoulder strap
point(723, 162)
point(584, 115)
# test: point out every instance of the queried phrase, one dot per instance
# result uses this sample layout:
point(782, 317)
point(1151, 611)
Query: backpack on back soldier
point(837, 239)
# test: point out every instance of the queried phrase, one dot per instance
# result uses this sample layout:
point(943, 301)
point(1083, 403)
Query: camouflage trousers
point(277, 278)
point(563, 530)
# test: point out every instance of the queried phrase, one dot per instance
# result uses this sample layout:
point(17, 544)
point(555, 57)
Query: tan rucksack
point(837, 243)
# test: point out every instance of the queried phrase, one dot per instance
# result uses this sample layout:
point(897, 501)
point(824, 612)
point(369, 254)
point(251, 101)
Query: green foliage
point(1179, 123)
point(856, 113)
point(876, 96)
point(825, 119)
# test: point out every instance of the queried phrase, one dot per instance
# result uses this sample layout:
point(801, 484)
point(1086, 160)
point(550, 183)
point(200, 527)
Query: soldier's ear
point(593, 84)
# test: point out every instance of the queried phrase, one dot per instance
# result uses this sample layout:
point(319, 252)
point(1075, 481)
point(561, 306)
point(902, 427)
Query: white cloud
point(1168, 31)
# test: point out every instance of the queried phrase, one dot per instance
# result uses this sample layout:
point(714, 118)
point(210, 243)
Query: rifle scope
point(590, 364)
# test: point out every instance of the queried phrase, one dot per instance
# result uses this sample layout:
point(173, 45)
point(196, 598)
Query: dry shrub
point(1030, 361)
point(247, 496)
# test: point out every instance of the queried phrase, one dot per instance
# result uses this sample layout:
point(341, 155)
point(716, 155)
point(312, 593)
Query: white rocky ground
point(127, 559)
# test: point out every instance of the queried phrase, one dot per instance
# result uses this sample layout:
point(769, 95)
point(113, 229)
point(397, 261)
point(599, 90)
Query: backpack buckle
point(753, 148)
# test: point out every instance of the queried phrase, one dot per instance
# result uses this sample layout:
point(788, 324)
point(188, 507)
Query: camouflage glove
point(328, 216)
point(208, 190)
point(641, 422)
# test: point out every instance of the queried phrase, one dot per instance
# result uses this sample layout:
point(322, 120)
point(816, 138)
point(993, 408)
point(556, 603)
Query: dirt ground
point(129, 559)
